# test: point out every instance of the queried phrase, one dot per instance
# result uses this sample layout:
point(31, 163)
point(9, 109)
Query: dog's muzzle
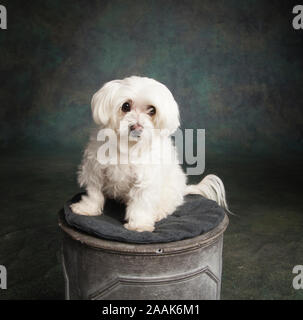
point(136, 130)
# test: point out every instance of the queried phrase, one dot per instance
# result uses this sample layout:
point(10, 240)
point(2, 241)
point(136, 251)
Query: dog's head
point(137, 103)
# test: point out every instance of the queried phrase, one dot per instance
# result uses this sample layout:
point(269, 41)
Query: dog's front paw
point(139, 228)
point(84, 209)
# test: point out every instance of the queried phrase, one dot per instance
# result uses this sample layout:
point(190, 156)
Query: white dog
point(150, 191)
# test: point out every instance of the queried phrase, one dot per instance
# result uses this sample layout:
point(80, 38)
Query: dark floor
point(261, 245)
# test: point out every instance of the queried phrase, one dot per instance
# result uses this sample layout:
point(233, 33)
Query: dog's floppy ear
point(173, 118)
point(102, 102)
point(169, 118)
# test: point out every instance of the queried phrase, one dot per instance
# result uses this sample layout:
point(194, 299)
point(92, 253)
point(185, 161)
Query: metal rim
point(144, 249)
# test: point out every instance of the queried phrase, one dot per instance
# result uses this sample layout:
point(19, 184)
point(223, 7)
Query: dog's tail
point(211, 187)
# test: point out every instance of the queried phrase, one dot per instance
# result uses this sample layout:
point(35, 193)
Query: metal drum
point(99, 269)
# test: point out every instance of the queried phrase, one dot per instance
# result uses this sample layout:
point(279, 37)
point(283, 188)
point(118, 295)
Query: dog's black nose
point(136, 130)
point(136, 127)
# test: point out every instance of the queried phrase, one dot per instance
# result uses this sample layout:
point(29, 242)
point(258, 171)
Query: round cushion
point(196, 216)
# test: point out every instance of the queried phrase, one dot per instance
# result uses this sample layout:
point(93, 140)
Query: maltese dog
point(144, 112)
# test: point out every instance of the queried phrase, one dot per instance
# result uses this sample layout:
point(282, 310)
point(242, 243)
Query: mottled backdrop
point(235, 68)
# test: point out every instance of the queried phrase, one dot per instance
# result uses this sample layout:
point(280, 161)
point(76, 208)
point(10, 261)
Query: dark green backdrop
point(235, 68)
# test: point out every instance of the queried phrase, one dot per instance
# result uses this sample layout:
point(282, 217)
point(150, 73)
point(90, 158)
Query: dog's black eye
point(126, 107)
point(151, 110)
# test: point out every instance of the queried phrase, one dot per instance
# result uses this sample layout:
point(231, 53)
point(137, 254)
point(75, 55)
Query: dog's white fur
point(151, 192)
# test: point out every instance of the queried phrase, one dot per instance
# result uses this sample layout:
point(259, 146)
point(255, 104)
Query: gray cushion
point(195, 217)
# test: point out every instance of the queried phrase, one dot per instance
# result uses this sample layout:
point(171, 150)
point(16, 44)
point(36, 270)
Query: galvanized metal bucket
point(100, 269)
